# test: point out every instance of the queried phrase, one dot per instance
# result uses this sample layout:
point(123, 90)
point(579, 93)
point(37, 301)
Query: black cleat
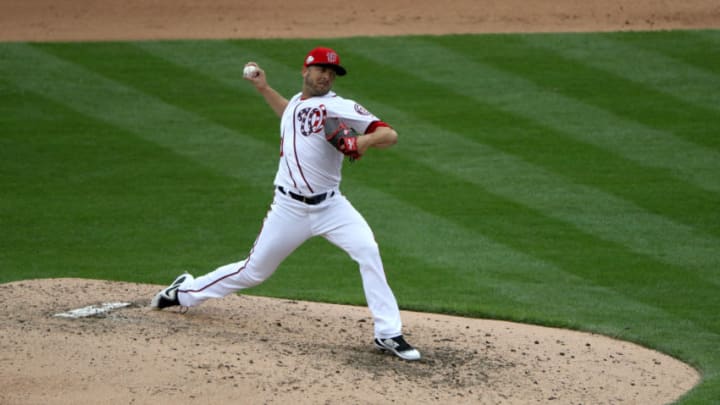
point(168, 296)
point(399, 347)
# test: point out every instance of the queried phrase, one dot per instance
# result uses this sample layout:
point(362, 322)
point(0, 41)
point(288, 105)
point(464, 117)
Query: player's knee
point(366, 251)
point(254, 278)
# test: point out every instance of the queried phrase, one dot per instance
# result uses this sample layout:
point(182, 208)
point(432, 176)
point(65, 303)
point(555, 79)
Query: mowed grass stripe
point(554, 72)
point(461, 67)
point(652, 148)
point(554, 148)
point(185, 89)
point(189, 135)
point(678, 244)
point(659, 194)
point(693, 47)
point(651, 68)
point(223, 61)
point(84, 198)
point(499, 281)
point(608, 264)
point(226, 152)
point(591, 210)
point(232, 155)
point(430, 140)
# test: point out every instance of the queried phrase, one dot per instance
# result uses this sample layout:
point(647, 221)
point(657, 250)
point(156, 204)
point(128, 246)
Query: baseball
point(250, 71)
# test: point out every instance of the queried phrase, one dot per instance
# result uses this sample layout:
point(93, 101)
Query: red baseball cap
point(326, 57)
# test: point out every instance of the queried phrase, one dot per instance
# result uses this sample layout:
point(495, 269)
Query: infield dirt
point(255, 350)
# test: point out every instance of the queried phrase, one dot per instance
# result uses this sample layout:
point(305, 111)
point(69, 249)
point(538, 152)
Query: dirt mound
point(46, 20)
point(262, 350)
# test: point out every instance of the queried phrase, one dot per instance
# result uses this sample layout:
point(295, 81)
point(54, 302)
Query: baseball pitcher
point(318, 129)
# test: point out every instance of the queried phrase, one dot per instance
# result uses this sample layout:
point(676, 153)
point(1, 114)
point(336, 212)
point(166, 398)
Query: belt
point(316, 199)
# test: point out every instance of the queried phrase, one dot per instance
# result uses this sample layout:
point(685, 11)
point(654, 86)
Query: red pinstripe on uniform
point(238, 271)
point(297, 158)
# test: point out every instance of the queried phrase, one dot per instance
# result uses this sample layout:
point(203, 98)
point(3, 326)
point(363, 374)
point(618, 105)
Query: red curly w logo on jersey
point(311, 120)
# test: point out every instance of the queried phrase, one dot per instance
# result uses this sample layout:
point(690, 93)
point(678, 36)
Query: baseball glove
point(342, 137)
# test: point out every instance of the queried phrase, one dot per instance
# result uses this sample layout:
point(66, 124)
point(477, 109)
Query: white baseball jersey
point(309, 164)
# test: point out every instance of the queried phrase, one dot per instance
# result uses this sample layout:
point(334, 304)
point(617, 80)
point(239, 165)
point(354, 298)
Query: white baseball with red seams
point(250, 71)
point(309, 167)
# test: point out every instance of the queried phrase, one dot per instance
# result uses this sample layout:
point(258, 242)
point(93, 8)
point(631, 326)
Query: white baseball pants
point(287, 225)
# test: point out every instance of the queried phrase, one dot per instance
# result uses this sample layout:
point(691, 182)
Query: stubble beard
point(312, 89)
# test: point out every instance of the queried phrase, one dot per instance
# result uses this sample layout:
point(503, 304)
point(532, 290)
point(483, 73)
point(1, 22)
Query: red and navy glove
point(342, 137)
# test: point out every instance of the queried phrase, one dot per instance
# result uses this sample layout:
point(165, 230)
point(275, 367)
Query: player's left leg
point(343, 225)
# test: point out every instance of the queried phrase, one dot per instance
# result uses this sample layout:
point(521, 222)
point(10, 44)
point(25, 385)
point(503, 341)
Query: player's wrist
point(364, 142)
point(263, 87)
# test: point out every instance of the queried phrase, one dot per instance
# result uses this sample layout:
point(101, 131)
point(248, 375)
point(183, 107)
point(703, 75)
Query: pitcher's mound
point(243, 349)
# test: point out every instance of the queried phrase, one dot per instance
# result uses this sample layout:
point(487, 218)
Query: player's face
point(318, 80)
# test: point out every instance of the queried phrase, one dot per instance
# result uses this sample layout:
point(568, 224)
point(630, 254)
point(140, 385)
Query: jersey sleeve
point(352, 114)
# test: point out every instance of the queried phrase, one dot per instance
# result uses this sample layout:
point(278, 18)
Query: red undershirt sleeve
point(375, 125)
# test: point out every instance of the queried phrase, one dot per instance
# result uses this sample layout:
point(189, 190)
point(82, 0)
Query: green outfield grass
point(567, 180)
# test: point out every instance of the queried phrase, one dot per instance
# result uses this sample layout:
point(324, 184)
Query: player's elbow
point(392, 137)
point(384, 137)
